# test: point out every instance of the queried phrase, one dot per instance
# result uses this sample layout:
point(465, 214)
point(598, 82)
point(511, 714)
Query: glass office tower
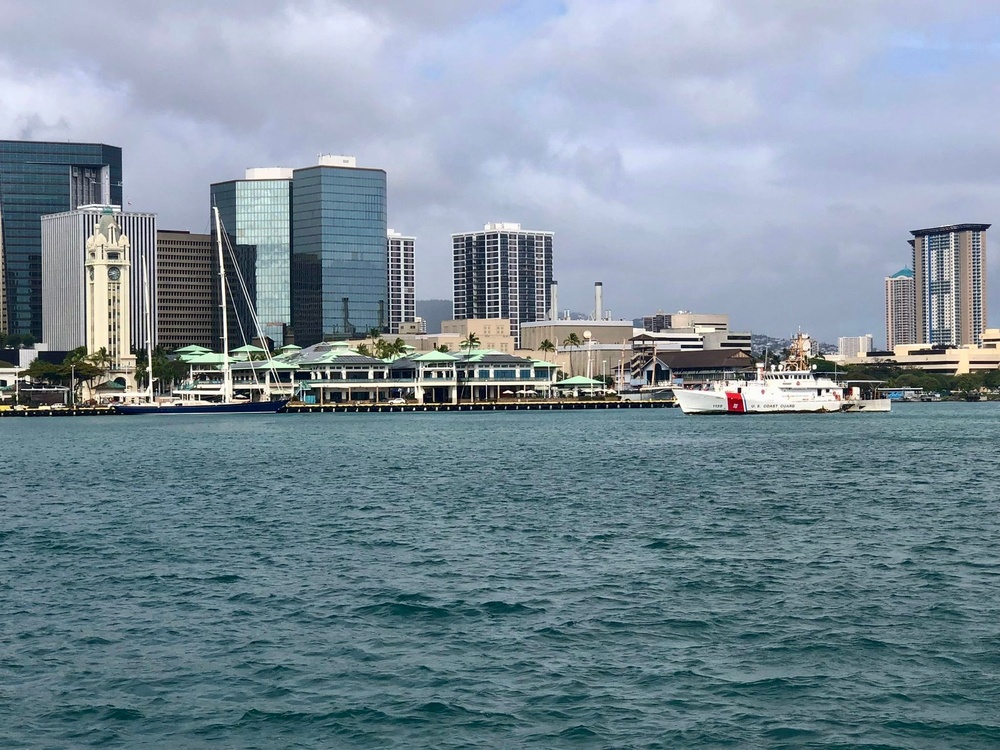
point(339, 269)
point(38, 178)
point(255, 214)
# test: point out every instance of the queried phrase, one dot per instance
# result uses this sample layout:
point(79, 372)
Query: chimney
point(598, 300)
point(555, 301)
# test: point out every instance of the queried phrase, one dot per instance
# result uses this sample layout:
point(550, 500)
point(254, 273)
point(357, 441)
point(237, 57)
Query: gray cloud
point(761, 158)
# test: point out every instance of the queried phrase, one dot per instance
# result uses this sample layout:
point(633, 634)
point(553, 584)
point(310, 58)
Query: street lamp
point(72, 385)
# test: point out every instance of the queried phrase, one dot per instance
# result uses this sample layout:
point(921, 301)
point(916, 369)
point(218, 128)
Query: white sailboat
point(227, 403)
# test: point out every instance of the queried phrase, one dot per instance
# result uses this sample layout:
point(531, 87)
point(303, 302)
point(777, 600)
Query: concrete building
point(402, 295)
point(661, 321)
point(852, 346)
point(64, 238)
point(949, 269)
point(108, 268)
point(39, 178)
point(186, 289)
point(900, 309)
point(503, 271)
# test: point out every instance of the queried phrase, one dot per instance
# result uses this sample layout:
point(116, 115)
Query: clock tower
point(108, 267)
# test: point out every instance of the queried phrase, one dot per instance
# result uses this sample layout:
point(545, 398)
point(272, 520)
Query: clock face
point(114, 273)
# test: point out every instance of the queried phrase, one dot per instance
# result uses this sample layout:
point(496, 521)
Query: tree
point(102, 359)
point(363, 350)
point(547, 347)
point(470, 342)
point(572, 342)
point(443, 348)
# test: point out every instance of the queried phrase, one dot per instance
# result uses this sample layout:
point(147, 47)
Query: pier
point(535, 406)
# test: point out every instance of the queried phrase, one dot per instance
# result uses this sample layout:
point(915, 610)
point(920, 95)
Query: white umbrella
point(508, 393)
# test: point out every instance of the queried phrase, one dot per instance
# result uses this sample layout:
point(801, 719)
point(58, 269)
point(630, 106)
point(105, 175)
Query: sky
point(761, 158)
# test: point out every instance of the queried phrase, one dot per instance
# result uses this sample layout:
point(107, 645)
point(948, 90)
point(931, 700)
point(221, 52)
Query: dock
point(535, 406)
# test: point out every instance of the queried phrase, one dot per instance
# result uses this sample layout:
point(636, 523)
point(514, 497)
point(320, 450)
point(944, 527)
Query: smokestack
point(555, 301)
point(598, 300)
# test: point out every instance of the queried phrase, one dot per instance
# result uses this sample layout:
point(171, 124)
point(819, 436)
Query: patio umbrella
point(508, 393)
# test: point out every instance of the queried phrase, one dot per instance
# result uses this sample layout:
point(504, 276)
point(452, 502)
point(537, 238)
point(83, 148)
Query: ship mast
point(227, 373)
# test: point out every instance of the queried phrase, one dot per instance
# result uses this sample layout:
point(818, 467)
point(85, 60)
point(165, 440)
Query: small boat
point(222, 403)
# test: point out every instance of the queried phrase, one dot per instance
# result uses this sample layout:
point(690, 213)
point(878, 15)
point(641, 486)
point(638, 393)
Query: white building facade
point(853, 346)
point(900, 309)
point(402, 289)
point(64, 288)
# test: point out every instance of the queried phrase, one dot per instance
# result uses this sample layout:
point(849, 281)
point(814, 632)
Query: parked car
point(396, 401)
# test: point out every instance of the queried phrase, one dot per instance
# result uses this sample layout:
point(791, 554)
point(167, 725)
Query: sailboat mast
point(227, 373)
point(149, 332)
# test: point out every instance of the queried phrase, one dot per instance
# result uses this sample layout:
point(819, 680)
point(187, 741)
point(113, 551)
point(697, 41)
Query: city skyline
point(755, 152)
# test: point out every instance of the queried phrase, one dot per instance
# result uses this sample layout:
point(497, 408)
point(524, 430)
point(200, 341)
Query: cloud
point(761, 158)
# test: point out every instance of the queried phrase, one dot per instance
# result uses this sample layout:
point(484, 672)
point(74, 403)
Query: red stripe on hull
point(735, 403)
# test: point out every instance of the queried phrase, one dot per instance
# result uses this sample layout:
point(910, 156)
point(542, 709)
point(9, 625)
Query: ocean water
point(635, 579)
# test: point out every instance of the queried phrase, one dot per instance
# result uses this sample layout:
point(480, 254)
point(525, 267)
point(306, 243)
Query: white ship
point(795, 388)
point(771, 392)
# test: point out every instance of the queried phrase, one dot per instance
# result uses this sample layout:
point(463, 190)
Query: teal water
point(633, 579)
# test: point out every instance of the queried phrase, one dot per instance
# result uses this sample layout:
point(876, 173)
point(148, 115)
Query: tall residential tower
point(949, 270)
point(402, 297)
point(503, 272)
point(900, 309)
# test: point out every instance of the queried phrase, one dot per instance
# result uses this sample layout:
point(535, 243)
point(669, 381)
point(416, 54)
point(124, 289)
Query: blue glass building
point(38, 178)
point(256, 216)
point(339, 281)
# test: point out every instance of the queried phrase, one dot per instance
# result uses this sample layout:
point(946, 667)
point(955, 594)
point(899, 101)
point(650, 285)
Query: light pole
point(72, 385)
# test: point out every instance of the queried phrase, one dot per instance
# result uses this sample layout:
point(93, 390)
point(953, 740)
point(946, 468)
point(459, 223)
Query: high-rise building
point(900, 309)
point(949, 270)
point(339, 266)
point(503, 272)
point(39, 178)
point(64, 241)
point(310, 246)
point(108, 266)
point(186, 289)
point(256, 217)
point(853, 346)
point(402, 297)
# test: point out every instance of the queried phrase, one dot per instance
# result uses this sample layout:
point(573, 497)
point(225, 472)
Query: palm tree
point(547, 346)
point(470, 342)
point(572, 342)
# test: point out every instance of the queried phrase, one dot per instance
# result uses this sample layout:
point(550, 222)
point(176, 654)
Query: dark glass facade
point(339, 270)
point(255, 216)
point(38, 178)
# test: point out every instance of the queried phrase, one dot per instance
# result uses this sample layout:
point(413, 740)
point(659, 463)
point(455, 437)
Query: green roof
point(248, 349)
point(191, 349)
point(543, 363)
point(578, 380)
point(434, 356)
point(208, 358)
point(110, 385)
